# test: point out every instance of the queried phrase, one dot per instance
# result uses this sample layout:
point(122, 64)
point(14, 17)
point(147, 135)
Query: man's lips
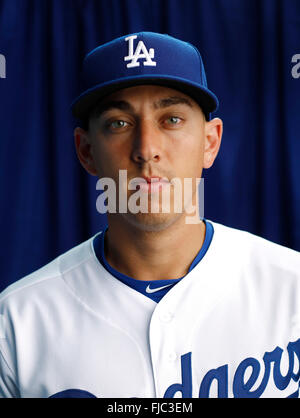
point(155, 179)
point(149, 184)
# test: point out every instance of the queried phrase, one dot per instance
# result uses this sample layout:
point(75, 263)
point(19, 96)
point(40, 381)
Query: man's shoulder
point(48, 274)
point(251, 248)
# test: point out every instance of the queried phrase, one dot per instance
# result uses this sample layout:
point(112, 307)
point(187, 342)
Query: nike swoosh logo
point(149, 290)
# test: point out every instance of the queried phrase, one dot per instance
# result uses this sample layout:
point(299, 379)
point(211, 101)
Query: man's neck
point(143, 255)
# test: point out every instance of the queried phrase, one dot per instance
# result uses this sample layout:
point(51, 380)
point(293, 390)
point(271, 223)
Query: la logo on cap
point(139, 53)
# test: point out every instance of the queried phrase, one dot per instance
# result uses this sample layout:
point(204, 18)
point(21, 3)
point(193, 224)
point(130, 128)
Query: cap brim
point(83, 105)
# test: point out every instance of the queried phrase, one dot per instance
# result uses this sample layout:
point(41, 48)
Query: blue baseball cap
point(143, 58)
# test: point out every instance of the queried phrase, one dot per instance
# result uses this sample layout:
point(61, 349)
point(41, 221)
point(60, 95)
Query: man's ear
point(213, 136)
point(83, 150)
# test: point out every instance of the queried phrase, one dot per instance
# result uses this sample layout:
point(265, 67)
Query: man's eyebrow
point(170, 101)
point(115, 104)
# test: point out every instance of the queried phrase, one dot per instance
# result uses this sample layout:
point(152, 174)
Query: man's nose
point(147, 143)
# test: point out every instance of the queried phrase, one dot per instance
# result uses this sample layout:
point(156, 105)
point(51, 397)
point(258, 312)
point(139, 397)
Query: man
point(157, 305)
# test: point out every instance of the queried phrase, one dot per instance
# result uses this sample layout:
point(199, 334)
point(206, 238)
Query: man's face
point(154, 133)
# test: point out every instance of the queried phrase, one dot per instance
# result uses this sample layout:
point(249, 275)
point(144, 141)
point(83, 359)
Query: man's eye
point(117, 124)
point(173, 120)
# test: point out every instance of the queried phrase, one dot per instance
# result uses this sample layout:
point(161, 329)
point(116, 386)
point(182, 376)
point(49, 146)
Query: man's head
point(140, 59)
point(154, 128)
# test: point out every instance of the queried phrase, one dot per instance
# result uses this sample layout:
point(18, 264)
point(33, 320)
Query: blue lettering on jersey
point(221, 375)
point(241, 389)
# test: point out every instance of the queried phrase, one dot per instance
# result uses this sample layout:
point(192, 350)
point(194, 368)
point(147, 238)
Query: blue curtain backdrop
point(48, 202)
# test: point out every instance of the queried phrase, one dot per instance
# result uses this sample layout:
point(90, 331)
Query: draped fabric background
point(48, 202)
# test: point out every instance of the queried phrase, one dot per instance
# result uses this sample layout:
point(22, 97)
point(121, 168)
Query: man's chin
point(152, 222)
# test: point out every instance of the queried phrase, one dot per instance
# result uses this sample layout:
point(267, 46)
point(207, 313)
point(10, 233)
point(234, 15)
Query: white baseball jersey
point(229, 328)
